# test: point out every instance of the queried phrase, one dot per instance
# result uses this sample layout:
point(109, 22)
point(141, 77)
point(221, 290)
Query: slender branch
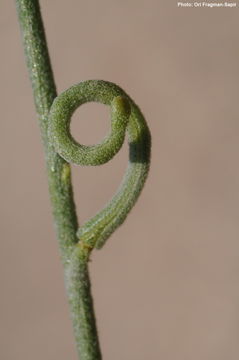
point(76, 243)
point(77, 281)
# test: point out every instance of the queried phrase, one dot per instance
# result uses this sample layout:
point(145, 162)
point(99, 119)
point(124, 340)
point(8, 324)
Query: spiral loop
point(125, 115)
point(60, 116)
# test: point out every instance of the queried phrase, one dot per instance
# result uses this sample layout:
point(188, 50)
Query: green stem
point(74, 257)
point(54, 113)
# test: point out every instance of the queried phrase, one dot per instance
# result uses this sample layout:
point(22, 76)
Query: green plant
point(54, 114)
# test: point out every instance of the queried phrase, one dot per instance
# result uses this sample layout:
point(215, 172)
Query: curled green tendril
point(125, 116)
point(61, 149)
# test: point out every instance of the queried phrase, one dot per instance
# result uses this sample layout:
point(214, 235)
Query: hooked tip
point(121, 106)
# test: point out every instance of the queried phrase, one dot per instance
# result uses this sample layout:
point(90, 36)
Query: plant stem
point(74, 256)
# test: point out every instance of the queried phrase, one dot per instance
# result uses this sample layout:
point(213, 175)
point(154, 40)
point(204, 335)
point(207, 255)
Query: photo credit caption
point(207, 4)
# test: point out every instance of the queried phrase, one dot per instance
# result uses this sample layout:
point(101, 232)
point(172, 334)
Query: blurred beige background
point(166, 285)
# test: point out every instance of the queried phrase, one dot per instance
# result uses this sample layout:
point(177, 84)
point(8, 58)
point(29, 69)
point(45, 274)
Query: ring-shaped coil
point(125, 115)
